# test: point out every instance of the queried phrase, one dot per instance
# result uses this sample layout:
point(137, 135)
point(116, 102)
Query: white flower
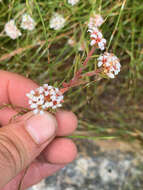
point(97, 38)
point(27, 22)
point(95, 21)
point(73, 2)
point(11, 30)
point(40, 100)
point(57, 21)
point(110, 64)
point(71, 42)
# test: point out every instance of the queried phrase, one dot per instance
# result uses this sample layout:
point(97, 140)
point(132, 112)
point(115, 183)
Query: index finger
point(14, 88)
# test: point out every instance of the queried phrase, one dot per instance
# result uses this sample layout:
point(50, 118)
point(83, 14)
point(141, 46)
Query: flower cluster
point(27, 22)
point(97, 38)
point(73, 2)
point(11, 30)
point(57, 21)
point(108, 61)
point(95, 21)
point(95, 35)
point(44, 98)
point(110, 64)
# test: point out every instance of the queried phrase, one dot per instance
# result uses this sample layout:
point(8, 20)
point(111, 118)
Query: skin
point(58, 153)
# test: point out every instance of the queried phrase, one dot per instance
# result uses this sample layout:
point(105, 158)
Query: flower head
point(27, 22)
point(71, 42)
point(57, 21)
point(110, 63)
point(95, 21)
point(97, 38)
point(11, 30)
point(44, 98)
point(73, 2)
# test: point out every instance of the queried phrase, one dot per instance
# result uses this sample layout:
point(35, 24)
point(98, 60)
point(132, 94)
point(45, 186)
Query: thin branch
point(78, 73)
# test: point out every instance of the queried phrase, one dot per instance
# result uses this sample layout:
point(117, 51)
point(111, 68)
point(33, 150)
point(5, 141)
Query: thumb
point(21, 142)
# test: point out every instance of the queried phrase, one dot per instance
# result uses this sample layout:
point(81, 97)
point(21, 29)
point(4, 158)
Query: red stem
point(89, 56)
point(77, 83)
point(78, 73)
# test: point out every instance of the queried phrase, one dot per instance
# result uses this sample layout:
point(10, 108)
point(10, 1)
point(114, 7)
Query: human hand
point(33, 141)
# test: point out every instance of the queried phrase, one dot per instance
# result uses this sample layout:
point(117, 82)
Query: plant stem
point(78, 73)
point(89, 56)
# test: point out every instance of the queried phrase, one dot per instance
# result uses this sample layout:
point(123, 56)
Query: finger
point(21, 142)
point(14, 88)
point(67, 123)
point(40, 171)
point(6, 114)
point(35, 173)
point(60, 151)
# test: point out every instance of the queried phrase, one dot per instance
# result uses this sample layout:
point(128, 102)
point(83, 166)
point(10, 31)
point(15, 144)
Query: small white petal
point(59, 98)
point(93, 42)
point(32, 92)
point(107, 64)
point(118, 65)
point(35, 98)
point(52, 92)
point(50, 104)
point(101, 45)
point(91, 31)
point(103, 41)
point(47, 93)
point(28, 95)
point(50, 87)
point(93, 36)
point(30, 101)
point(45, 85)
point(116, 72)
point(95, 29)
point(100, 64)
point(111, 75)
point(100, 35)
point(40, 102)
point(54, 107)
point(100, 58)
point(73, 2)
point(57, 89)
point(47, 105)
point(59, 105)
point(35, 111)
point(41, 112)
point(40, 90)
point(33, 106)
point(44, 106)
point(53, 98)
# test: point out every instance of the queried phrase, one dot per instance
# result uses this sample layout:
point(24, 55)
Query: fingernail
point(41, 127)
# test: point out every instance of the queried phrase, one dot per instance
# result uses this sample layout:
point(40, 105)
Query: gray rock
point(97, 168)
